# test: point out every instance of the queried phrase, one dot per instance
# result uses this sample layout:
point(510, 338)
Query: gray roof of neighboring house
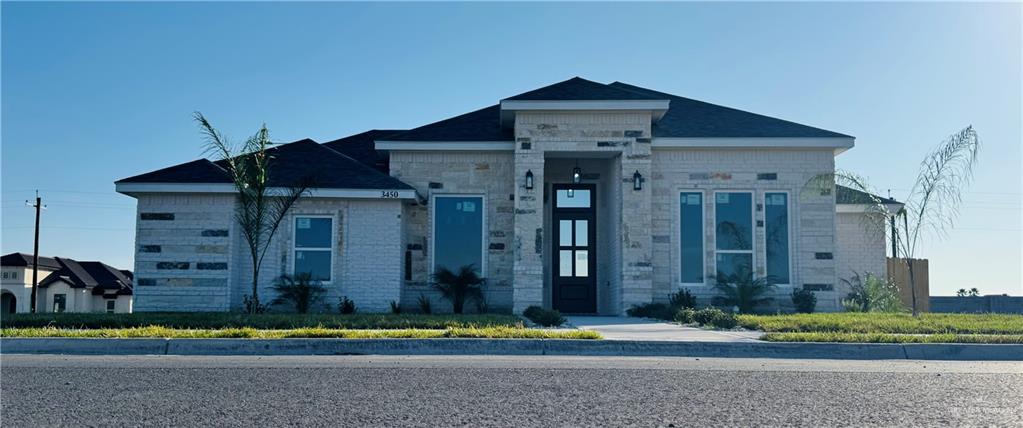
point(99, 276)
point(301, 162)
point(848, 196)
point(22, 259)
point(685, 118)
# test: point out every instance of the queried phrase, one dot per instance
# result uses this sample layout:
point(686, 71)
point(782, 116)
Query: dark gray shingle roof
point(579, 89)
point(303, 161)
point(22, 259)
point(480, 125)
point(849, 196)
point(361, 147)
point(689, 118)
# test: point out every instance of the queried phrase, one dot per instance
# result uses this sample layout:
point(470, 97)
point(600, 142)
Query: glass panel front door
point(574, 266)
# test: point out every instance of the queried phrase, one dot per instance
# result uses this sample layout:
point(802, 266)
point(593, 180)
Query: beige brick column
point(528, 245)
point(637, 241)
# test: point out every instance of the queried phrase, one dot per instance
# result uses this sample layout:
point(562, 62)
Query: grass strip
point(251, 333)
point(282, 321)
point(893, 338)
point(892, 323)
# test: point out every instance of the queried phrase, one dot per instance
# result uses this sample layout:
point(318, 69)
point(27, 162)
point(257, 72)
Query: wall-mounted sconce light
point(577, 173)
point(529, 179)
point(637, 181)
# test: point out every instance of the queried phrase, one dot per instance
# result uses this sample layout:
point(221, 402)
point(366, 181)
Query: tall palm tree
point(932, 205)
point(260, 208)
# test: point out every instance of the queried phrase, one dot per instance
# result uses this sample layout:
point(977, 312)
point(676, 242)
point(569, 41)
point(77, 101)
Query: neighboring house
point(581, 196)
point(65, 285)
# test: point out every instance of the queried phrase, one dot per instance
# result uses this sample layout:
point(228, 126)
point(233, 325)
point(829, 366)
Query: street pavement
point(478, 391)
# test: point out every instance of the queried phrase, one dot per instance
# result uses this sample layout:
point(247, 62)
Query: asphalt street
point(482, 391)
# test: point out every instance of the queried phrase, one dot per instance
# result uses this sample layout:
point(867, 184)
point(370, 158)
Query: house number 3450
point(389, 194)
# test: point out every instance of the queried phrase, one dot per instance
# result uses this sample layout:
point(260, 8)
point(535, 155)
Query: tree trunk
point(912, 285)
point(254, 307)
point(457, 304)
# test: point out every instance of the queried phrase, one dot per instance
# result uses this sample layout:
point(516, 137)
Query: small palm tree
point(932, 205)
point(301, 290)
point(457, 287)
point(741, 289)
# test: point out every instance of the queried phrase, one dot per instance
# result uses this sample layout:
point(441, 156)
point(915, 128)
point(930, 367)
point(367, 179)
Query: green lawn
point(222, 320)
point(885, 323)
point(502, 332)
point(893, 338)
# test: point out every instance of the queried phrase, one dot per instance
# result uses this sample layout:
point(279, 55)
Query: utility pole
point(895, 236)
point(35, 256)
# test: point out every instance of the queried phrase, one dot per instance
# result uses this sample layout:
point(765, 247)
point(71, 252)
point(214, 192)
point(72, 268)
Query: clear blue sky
point(96, 92)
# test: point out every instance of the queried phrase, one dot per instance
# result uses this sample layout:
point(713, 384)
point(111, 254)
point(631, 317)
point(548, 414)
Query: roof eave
point(838, 144)
point(134, 189)
point(657, 108)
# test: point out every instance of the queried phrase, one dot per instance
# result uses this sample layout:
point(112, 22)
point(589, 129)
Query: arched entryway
point(8, 303)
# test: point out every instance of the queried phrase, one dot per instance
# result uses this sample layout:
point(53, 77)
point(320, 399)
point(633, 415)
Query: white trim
point(703, 238)
point(788, 219)
point(295, 248)
point(840, 144)
point(128, 188)
point(864, 208)
point(484, 146)
point(753, 230)
point(483, 228)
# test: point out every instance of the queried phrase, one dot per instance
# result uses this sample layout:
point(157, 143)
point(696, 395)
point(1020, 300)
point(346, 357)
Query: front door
point(574, 257)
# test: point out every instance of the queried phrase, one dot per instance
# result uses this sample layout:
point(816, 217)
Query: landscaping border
point(844, 351)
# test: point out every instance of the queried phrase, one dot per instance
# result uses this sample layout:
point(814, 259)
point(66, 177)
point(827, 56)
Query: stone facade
point(192, 257)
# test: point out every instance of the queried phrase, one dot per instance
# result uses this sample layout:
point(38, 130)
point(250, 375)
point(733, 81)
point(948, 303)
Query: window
point(59, 302)
point(314, 240)
point(691, 230)
point(5, 275)
point(776, 223)
point(14, 275)
point(733, 228)
point(573, 198)
point(111, 305)
point(458, 232)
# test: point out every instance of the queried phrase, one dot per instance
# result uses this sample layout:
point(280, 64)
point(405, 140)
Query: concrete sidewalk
point(626, 328)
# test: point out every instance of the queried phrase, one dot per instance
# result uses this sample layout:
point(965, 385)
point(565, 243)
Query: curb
point(631, 348)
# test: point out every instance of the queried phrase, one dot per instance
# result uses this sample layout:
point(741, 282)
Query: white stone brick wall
point(366, 259)
point(811, 214)
point(861, 248)
point(481, 173)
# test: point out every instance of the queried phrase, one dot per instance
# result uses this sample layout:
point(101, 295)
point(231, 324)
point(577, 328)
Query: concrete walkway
point(624, 328)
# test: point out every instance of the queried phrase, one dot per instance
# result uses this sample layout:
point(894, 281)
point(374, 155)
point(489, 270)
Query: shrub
point(715, 317)
point(707, 315)
point(395, 307)
point(872, 294)
point(424, 304)
point(725, 320)
point(457, 287)
point(300, 290)
point(804, 300)
point(253, 306)
point(346, 306)
point(651, 310)
point(544, 317)
point(685, 316)
point(742, 290)
point(682, 299)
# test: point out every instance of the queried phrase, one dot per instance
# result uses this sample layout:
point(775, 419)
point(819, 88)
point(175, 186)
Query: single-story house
point(580, 196)
point(65, 285)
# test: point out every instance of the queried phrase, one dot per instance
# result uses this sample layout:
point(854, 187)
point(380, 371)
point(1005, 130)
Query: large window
point(314, 246)
point(458, 232)
point(59, 303)
point(776, 223)
point(691, 229)
point(733, 227)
